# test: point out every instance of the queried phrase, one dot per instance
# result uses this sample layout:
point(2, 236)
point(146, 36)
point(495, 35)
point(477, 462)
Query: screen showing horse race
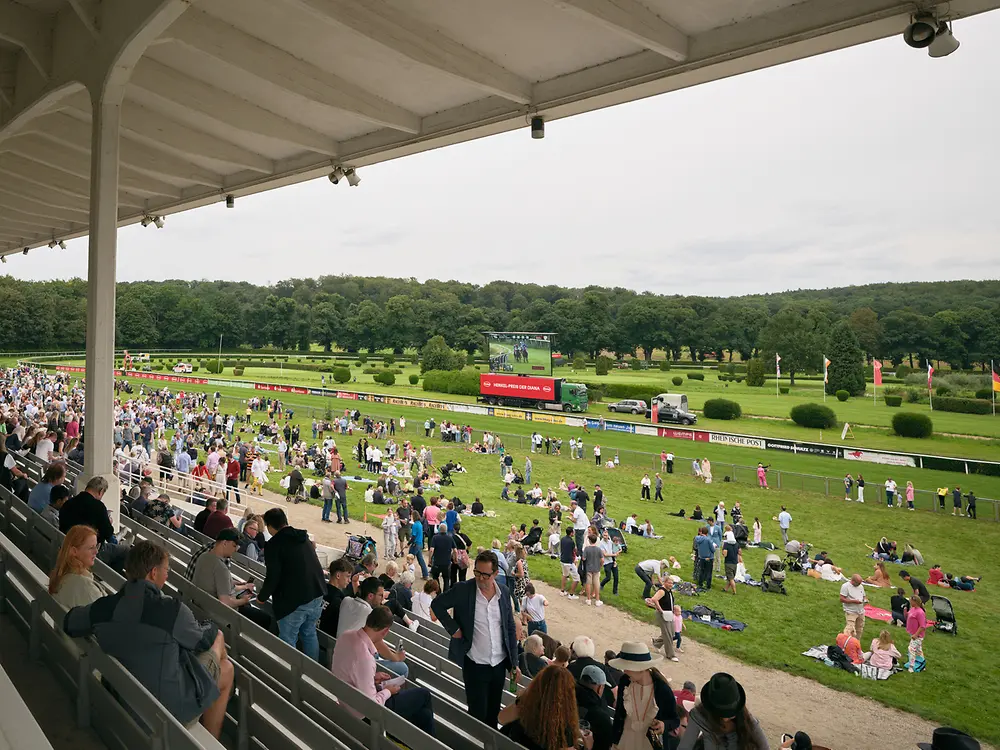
point(520, 353)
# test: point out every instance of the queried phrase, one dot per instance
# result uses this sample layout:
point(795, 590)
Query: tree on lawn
point(847, 361)
point(797, 334)
point(437, 355)
point(867, 329)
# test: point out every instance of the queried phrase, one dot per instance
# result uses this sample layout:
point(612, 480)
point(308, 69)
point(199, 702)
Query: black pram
point(944, 615)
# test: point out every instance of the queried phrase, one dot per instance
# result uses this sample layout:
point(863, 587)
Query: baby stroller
point(446, 480)
point(518, 477)
point(944, 615)
point(773, 577)
point(358, 547)
point(617, 536)
point(796, 555)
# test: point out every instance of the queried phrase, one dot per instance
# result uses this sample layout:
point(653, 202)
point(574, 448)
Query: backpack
point(839, 658)
point(314, 492)
point(919, 664)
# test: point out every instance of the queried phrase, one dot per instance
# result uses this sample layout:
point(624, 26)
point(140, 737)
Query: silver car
point(630, 405)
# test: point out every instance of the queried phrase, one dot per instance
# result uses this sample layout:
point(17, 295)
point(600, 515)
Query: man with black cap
point(947, 738)
point(592, 707)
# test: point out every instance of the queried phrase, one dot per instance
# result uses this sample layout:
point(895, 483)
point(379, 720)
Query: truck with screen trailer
point(528, 392)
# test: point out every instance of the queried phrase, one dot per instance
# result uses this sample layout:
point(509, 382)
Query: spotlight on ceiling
point(52, 244)
point(944, 42)
point(921, 31)
point(537, 127)
point(146, 220)
point(230, 201)
point(336, 175)
point(159, 220)
point(352, 177)
point(62, 245)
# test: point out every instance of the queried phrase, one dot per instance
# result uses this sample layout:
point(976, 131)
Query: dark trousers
point(670, 466)
point(438, 571)
point(327, 507)
point(597, 460)
point(341, 508)
point(704, 573)
point(419, 554)
point(644, 576)
point(645, 492)
point(414, 705)
point(659, 494)
point(243, 471)
point(235, 484)
point(484, 689)
point(578, 533)
point(971, 510)
point(256, 616)
point(941, 501)
point(611, 571)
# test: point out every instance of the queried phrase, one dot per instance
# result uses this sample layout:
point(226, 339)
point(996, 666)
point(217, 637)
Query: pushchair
point(446, 480)
point(944, 615)
point(773, 577)
point(796, 555)
point(358, 547)
point(617, 536)
point(518, 477)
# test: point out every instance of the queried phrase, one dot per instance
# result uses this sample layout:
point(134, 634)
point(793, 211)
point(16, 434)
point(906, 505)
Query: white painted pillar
point(102, 268)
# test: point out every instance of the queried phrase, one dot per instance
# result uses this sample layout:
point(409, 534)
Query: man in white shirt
point(354, 611)
point(479, 615)
point(890, 491)
point(580, 523)
point(784, 521)
point(852, 596)
point(649, 573)
point(45, 447)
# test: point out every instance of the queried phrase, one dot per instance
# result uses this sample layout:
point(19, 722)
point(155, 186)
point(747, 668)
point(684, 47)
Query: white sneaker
point(572, 596)
point(588, 602)
point(562, 593)
point(674, 658)
point(598, 603)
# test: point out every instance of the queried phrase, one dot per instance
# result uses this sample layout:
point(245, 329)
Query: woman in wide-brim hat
point(722, 720)
point(645, 703)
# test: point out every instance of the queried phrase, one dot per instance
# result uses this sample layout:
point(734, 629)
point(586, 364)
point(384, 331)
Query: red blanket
point(884, 615)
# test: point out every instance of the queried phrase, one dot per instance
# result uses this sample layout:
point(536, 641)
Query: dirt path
point(781, 702)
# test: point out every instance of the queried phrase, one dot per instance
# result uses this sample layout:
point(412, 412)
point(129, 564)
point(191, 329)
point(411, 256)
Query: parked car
point(183, 367)
point(666, 413)
point(628, 405)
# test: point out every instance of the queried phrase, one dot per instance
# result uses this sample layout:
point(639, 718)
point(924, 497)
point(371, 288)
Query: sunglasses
point(483, 574)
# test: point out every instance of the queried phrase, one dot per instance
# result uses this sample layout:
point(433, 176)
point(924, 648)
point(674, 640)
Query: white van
point(183, 367)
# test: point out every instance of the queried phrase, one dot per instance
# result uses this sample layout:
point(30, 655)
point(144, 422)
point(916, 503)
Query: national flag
point(930, 374)
point(777, 364)
point(877, 365)
point(826, 370)
point(996, 380)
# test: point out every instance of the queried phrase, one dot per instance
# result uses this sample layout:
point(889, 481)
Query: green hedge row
point(963, 405)
point(463, 382)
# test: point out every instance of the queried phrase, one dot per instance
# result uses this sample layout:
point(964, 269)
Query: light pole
point(219, 364)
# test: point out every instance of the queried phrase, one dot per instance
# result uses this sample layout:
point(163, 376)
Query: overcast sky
point(870, 164)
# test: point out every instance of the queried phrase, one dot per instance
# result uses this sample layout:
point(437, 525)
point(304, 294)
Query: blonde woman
point(883, 651)
point(71, 583)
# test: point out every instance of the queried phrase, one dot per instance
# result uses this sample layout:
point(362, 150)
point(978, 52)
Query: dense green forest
point(956, 322)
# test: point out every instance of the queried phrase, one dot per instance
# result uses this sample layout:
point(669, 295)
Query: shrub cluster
point(665, 365)
point(463, 382)
point(603, 365)
point(755, 373)
point(720, 408)
point(385, 378)
point(893, 400)
point(238, 371)
point(816, 416)
point(783, 389)
point(341, 374)
point(911, 424)
point(963, 405)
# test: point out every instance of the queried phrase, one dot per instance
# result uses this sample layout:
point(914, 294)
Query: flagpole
point(993, 389)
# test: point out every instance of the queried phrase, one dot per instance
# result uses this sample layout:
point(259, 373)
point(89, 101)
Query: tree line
point(956, 322)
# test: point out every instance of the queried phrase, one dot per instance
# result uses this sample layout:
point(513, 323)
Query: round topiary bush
point(385, 378)
point(843, 395)
point(342, 374)
point(677, 380)
point(816, 416)
point(238, 371)
point(910, 424)
point(893, 400)
point(414, 379)
point(720, 408)
point(357, 364)
point(696, 376)
point(783, 388)
point(665, 365)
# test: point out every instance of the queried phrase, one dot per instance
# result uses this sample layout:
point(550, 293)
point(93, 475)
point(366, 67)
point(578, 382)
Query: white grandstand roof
point(240, 96)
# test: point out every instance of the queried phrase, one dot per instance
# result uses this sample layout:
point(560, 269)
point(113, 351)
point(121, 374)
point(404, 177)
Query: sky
point(871, 164)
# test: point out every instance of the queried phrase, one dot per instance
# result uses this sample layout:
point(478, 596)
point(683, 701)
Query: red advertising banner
point(280, 388)
point(670, 432)
point(163, 378)
point(71, 368)
point(517, 387)
point(347, 394)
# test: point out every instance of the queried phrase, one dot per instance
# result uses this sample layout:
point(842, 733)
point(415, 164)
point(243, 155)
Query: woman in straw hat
point(722, 720)
point(646, 707)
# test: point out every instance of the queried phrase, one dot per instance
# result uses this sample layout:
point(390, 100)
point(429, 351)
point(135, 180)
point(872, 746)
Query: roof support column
point(101, 275)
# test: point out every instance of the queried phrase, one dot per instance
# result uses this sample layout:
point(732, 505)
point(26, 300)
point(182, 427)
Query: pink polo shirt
point(354, 663)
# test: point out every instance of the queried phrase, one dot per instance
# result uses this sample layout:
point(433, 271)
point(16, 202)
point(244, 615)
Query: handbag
point(655, 740)
point(462, 559)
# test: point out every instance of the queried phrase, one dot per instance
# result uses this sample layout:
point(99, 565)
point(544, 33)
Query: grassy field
point(779, 628)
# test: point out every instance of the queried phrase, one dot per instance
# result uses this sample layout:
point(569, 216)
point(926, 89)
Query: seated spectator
point(912, 554)
point(962, 583)
point(849, 642)
point(155, 636)
point(935, 576)
point(614, 675)
point(354, 612)
point(899, 606)
point(477, 508)
point(38, 498)
point(880, 577)
point(294, 582)
point(561, 656)
point(641, 679)
point(389, 576)
point(544, 716)
point(71, 582)
point(399, 600)
point(722, 719)
point(212, 575)
point(251, 543)
point(354, 662)
point(582, 657)
point(592, 707)
point(87, 509)
point(532, 660)
point(883, 653)
point(687, 694)
point(336, 591)
point(57, 499)
point(364, 569)
point(422, 600)
point(218, 519)
point(161, 511)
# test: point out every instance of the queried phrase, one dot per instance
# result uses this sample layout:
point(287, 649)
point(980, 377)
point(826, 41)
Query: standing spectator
point(659, 488)
point(731, 559)
point(942, 493)
point(354, 662)
point(326, 493)
point(861, 488)
point(567, 558)
point(916, 626)
point(848, 485)
point(153, 635)
point(909, 496)
point(483, 636)
point(970, 507)
point(233, 477)
point(340, 497)
point(442, 552)
point(645, 701)
point(611, 549)
point(722, 720)
point(593, 561)
point(956, 496)
point(919, 589)
point(784, 523)
point(417, 543)
point(704, 551)
point(294, 582)
point(580, 524)
point(390, 535)
point(670, 462)
point(644, 483)
point(663, 602)
point(762, 476)
point(852, 596)
point(597, 455)
point(527, 470)
point(890, 491)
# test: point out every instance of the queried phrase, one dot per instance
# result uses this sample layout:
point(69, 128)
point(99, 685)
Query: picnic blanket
point(686, 588)
point(762, 545)
point(883, 615)
point(867, 671)
point(736, 625)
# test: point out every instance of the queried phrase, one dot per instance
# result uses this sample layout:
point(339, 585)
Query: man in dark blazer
point(483, 636)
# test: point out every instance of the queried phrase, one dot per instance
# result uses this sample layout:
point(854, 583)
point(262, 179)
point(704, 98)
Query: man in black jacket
point(592, 707)
point(88, 509)
point(485, 653)
point(294, 581)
